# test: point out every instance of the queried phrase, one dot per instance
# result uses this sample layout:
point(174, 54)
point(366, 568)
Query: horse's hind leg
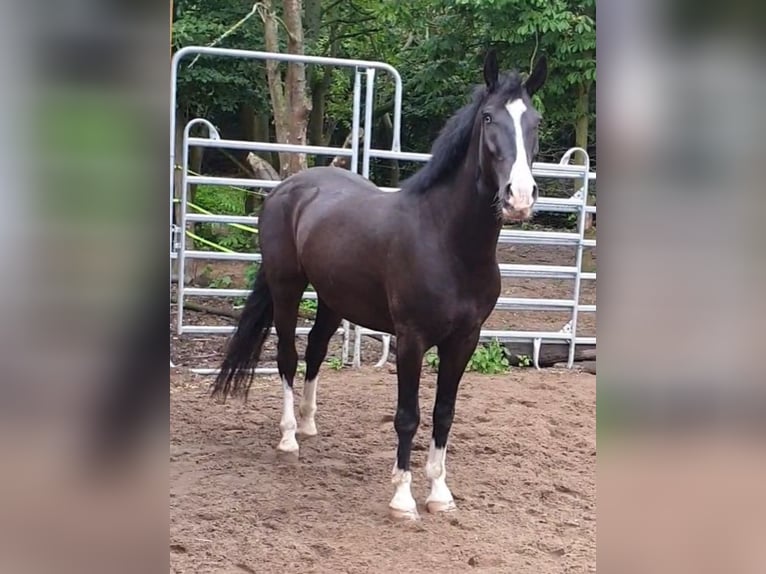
point(325, 325)
point(287, 297)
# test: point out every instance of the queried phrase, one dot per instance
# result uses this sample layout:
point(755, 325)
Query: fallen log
point(550, 354)
point(211, 310)
point(261, 168)
point(236, 313)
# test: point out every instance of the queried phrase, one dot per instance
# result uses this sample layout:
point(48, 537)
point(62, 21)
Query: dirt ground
point(521, 460)
point(521, 465)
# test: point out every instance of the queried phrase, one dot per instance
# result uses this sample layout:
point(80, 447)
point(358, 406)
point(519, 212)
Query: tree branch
point(357, 34)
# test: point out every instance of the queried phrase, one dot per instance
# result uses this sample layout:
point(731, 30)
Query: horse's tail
point(244, 348)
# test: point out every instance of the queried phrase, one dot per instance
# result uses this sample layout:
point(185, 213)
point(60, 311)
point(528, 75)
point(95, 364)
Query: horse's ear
point(490, 69)
point(537, 77)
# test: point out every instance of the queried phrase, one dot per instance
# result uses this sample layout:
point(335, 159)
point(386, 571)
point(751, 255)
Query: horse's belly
point(361, 302)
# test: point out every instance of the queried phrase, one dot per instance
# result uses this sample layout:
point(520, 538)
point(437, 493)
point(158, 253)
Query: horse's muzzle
point(511, 214)
point(517, 204)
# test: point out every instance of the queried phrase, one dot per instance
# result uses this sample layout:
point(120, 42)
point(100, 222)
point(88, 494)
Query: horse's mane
point(451, 146)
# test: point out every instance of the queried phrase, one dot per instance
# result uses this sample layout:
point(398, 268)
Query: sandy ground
point(521, 464)
point(521, 460)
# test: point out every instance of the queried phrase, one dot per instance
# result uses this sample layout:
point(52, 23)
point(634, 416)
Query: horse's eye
point(487, 119)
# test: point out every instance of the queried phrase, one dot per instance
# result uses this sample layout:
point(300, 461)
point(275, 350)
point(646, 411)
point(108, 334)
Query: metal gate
point(367, 69)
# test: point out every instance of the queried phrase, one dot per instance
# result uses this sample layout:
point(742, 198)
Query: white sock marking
point(436, 471)
point(521, 180)
point(308, 408)
point(402, 500)
point(288, 424)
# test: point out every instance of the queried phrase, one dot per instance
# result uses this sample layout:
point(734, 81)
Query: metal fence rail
point(578, 203)
point(178, 233)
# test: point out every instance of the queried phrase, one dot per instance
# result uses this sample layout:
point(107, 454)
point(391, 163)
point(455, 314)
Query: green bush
point(490, 359)
point(222, 201)
point(487, 359)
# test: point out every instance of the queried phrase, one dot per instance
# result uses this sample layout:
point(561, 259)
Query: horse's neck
point(466, 214)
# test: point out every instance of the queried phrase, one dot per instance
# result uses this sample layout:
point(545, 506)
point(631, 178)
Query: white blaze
point(520, 179)
point(288, 424)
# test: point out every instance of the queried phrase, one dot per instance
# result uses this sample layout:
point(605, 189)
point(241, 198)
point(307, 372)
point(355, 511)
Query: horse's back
point(334, 228)
point(329, 179)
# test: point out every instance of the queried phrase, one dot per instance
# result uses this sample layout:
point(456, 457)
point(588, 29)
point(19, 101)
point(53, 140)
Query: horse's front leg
point(454, 354)
point(409, 362)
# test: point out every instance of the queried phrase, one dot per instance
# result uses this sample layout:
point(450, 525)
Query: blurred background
point(83, 299)
point(681, 394)
point(84, 295)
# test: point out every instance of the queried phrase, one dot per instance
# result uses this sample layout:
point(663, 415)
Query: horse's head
point(509, 140)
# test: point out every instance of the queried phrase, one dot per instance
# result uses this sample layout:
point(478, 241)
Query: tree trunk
point(290, 105)
point(395, 173)
point(299, 106)
point(196, 154)
point(195, 166)
point(316, 119)
point(313, 21)
point(274, 77)
point(320, 76)
point(247, 121)
point(582, 125)
point(581, 140)
point(177, 172)
point(316, 76)
point(256, 128)
point(261, 134)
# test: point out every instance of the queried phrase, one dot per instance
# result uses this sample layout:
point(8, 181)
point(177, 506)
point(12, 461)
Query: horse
point(419, 264)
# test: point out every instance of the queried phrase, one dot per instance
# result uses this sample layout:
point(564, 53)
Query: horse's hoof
point(288, 448)
point(288, 457)
point(400, 514)
point(436, 506)
point(306, 430)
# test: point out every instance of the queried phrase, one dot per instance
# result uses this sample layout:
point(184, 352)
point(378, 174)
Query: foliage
point(214, 85)
point(222, 282)
point(308, 305)
point(219, 199)
point(224, 201)
point(457, 33)
point(432, 360)
point(250, 272)
point(335, 363)
point(524, 360)
point(437, 45)
point(487, 359)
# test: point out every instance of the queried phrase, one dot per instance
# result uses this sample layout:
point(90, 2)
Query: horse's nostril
point(535, 192)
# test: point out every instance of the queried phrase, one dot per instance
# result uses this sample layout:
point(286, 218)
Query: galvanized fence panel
point(578, 203)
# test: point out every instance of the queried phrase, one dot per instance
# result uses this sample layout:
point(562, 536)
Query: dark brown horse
point(419, 264)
